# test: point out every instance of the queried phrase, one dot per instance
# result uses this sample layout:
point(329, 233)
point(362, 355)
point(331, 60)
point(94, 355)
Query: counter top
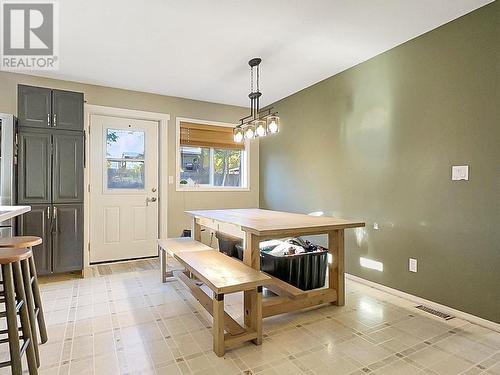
point(8, 212)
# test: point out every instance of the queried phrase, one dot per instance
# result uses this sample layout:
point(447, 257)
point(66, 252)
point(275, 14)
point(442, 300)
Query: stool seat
point(20, 242)
point(10, 255)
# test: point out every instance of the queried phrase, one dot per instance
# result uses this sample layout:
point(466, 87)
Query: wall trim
point(410, 297)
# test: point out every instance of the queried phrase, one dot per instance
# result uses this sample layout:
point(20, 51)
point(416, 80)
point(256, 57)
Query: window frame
point(245, 164)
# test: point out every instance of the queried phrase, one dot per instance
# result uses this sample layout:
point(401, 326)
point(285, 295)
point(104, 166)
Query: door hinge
point(88, 188)
point(88, 246)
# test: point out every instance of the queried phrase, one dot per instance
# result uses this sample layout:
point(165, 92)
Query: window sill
point(207, 189)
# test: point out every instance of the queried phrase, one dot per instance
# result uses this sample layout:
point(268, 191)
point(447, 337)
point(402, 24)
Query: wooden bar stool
point(32, 290)
point(14, 298)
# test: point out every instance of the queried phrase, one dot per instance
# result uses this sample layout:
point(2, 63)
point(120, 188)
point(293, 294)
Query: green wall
point(377, 142)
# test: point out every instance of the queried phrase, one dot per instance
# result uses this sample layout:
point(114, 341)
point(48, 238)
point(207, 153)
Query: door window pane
point(227, 167)
point(124, 174)
point(125, 159)
point(124, 144)
point(195, 165)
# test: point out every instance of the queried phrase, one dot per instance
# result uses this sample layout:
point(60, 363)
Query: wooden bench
point(171, 246)
point(223, 275)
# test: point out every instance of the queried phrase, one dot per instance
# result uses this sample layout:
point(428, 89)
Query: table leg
point(251, 257)
point(163, 262)
point(196, 234)
point(336, 268)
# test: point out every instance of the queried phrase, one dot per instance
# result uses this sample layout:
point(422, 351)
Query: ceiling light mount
point(260, 122)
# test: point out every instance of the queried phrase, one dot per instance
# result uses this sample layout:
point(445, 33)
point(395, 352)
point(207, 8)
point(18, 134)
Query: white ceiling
point(199, 48)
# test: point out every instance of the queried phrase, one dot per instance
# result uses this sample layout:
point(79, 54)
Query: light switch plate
point(460, 172)
point(412, 265)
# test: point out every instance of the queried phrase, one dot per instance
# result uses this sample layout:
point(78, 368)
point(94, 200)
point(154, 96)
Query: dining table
point(254, 225)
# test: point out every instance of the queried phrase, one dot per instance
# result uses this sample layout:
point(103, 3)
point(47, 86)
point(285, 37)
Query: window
point(125, 159)
point(209, 158)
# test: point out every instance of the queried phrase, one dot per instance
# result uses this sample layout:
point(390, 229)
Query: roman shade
point(202, 135)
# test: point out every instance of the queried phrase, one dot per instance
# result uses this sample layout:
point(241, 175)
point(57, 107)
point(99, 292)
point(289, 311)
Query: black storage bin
point(239, 251)
point(227, 244)
point(305, 271)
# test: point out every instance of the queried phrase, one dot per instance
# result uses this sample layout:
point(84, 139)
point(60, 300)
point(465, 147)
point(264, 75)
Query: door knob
point(152, 200)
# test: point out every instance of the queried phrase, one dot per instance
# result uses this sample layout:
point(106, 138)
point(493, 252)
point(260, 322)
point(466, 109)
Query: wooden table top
point(266, 222)
point(221, 273)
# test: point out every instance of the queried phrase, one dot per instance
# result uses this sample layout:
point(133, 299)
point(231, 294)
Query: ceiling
point(199, 49)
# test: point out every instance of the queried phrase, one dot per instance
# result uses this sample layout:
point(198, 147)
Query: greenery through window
point(211, 167)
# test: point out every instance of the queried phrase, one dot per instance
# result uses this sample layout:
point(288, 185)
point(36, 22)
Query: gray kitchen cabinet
point(37, 222)
point(34, 166)
point(50, 175)
point(67, 167)
point(34, 106)
point(67, 237)
point(67, 110)
point(41, 107)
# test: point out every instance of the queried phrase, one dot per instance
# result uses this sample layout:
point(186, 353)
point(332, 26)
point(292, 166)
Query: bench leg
point(257, 315)
point(218, 324)
point(163, 263)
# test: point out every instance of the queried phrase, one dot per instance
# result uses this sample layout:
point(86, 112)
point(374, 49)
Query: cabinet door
point(37, 223)
point(34, 166)
point(67, 237)
point(67, 110)
point(67, 167)
point(34, 106)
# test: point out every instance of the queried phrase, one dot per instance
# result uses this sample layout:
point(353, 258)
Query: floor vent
point(437, 313)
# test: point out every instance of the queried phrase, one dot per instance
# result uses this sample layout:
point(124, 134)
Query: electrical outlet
point(412, 265)
point(375, 226)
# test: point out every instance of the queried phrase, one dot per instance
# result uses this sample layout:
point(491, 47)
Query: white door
point(123, 188)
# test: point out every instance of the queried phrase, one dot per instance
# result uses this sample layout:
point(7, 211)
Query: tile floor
point(124, 321)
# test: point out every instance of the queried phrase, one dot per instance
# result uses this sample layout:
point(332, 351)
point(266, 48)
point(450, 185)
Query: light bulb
point(238, 134)
point(273, 127)
point(249, 133)
point(238, 137)
point(273, 124)
point(260, 128)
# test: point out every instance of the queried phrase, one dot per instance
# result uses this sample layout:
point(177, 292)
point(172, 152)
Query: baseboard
point(421, 301)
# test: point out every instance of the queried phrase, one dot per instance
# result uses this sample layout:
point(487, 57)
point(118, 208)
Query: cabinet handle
point(48, 212)
point(54, 215)
point(55, 120)
point(48, 119)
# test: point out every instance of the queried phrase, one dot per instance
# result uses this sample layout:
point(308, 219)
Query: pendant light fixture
point(260, 122)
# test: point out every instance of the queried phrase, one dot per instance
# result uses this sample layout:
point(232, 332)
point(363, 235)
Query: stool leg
point(25, 320)
point(38, 303)
point(10, 308)
point(31, 307)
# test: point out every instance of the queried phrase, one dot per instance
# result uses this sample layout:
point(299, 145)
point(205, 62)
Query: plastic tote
point(227, 244)
point(305, 271)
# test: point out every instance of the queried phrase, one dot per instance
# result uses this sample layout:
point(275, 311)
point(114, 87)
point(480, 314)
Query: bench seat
point(221, 273)
point(171, 246)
